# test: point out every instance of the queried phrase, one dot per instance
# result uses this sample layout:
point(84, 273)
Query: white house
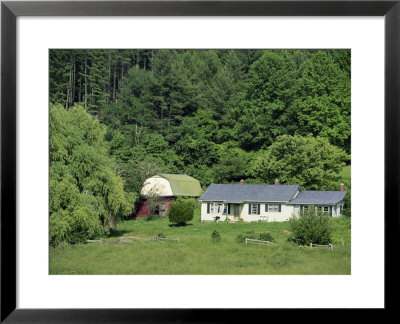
point(254, 202)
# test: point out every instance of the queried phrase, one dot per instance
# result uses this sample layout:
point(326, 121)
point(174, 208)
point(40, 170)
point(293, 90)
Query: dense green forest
point(217, 115)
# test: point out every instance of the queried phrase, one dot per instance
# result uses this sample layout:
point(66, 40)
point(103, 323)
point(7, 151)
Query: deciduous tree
point(311, 162)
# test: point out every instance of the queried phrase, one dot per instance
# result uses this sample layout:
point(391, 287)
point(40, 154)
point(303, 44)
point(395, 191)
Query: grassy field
point(346, 173)
point(196, 253)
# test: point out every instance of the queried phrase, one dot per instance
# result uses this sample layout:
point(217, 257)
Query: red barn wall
point(143, 208)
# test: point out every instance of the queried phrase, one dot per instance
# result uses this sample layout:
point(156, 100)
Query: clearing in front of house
point(198, 253)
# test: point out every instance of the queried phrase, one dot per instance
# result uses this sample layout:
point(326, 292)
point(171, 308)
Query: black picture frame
point(10, 10)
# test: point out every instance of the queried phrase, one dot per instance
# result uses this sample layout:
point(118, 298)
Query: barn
point(159, 190)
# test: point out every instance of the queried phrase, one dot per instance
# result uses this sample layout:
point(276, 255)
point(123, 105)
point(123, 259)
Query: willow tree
point(86, 195)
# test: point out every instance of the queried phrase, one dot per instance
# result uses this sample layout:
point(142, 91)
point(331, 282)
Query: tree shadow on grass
point(180, 225)
point(116, 233)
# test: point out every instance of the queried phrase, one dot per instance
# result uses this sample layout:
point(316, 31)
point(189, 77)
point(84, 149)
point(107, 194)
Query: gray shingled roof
point(319, 197)
point(238, 193)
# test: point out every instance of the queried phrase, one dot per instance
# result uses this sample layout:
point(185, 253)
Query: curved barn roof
point(183, 185)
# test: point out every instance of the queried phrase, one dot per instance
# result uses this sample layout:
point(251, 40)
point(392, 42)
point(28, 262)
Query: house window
point(211, 208)
point(305, 208)
point(216, 208)
point(341, 209)
point(296, 208)
point(274, 207)
point(227, 209)
point(325, 209)
point(254, 209)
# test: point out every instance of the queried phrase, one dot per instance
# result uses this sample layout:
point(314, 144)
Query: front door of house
point(236, 212)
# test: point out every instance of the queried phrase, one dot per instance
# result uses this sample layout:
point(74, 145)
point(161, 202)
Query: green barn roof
point(183, 185)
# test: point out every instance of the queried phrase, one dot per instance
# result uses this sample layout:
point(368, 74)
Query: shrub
point(252, 235)
point(240, 238)
point(216, 237)
point(161, 235)
point(311, 227)
point(266, 237)
point(181, 210)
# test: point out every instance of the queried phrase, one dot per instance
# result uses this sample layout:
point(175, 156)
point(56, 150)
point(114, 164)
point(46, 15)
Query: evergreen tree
point(323, 104)
point(266, 111)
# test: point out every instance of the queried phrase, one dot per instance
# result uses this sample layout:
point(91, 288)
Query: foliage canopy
point(311, 162)
point(86, 195)
point(206, 113)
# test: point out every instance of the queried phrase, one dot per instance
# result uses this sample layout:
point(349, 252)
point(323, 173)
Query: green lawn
point(346, 173)
point(196, 253)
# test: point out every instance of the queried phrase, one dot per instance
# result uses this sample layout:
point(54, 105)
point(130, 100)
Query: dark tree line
point(91, 77)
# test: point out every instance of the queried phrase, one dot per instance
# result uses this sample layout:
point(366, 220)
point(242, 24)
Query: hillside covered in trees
point(217, 115)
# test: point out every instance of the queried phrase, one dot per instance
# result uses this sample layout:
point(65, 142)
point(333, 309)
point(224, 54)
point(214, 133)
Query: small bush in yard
point(160, 235)
point(311, 227)
point(181, 210)
point(216, 237)
point(251, 235)
point(266, 237)
point(241, 238)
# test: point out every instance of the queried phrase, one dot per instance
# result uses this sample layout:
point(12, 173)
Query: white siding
point(269, 216)
point(337, 209)
point(287, 211)
point(211, 216)
point(204, 216)
point(284, 215)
